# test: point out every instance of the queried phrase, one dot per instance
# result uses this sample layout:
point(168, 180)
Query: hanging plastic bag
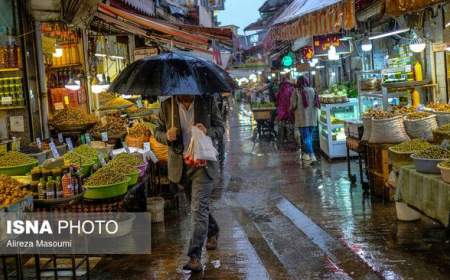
point(200, 150)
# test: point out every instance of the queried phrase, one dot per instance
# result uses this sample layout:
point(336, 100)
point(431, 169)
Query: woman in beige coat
point(305, 104)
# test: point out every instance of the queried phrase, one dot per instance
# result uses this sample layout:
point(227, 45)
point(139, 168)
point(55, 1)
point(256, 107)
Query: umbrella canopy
point(172, 74)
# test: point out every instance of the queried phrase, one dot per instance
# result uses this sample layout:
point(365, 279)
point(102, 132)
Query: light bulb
point(72, 85)
point(58, 51)
point(366, 45)
point(417, 45)
point(332, 55)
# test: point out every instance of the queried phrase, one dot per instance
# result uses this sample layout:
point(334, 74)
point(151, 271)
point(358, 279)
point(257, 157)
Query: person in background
point(305, 104)
point(284, 113)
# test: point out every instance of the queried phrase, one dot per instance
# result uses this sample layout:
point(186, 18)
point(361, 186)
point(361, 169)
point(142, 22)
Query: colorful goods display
point(72, 118)
point(112, 124)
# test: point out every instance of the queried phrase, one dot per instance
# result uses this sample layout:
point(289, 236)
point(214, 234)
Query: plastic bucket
point(156, 207)
point(406, 213)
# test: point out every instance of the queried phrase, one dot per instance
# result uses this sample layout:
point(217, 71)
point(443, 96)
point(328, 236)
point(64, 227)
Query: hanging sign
point(287, 60)
point(307, 53)
point(322, 43)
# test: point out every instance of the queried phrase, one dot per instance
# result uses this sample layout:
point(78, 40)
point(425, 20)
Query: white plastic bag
point(200, 150)
point(203, 147)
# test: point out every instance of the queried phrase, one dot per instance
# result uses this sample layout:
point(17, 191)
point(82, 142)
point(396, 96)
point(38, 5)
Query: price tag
point(39, 143)
point(66, 100)
point(102, 159)
point(152, 156)
point(88, 138)
point(444, 144)
point(54, 150)
point(146, 146)
point(424, 135)
point(139, 103)
point(6, 100)
point(69, 143)
point(104, 136)
point(60, 138)
point(59, 106)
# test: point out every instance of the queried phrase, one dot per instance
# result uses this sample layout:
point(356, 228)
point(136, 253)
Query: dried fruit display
point(139, 129)
point(117, 103)
point(134, 159)
point(434, 152)
point(439, 107)
point(418, 115)
point(105, 176)
point(411, 146)
point(379, 114)
point(11, 191)
point(72, 117)
point(402, 110)
point(13, 158)
point(113, 124)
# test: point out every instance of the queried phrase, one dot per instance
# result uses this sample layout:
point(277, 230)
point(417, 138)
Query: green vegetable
point(435, 152)
point(411, 146)
point(105, 176)
point(134, 159)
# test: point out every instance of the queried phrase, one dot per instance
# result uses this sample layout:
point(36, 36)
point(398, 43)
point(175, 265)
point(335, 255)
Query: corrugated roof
point(299, 8)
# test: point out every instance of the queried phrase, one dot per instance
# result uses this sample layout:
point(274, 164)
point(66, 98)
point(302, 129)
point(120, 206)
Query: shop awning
point(306, 18)
point(398, 7)
point(145, 6)
point(223, 35)
point(152, 25)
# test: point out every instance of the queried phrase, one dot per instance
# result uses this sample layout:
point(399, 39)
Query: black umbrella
point(171, 74)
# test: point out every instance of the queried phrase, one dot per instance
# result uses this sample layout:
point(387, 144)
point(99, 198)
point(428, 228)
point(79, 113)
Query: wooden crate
point(379, 167)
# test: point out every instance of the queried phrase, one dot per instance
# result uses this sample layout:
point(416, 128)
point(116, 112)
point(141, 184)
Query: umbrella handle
point(173, 111)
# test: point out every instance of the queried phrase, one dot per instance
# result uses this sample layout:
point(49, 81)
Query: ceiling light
point(313, 73)
point(72, 85)
point(417, 44)
point(366, 45)
point(389, 34)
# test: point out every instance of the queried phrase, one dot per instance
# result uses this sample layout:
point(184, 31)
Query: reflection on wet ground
point(281, 219)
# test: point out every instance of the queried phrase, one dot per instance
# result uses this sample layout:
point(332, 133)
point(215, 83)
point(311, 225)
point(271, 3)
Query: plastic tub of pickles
point(15, 163)
point(106, 183)
point(426, 161)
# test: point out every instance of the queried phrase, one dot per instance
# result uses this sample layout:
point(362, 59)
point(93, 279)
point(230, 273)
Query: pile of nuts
point(434, 152)
point(412, 146)
point(380, 115)
point(13, 158)
point(105, 176)
point(11, 191)
point(72, 117)
point(418, 115)
point(403, 110)
point(113, 124)
point(139, 129)
point(439, 107)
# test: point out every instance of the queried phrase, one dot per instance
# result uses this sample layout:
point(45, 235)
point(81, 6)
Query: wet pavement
point(282, 219)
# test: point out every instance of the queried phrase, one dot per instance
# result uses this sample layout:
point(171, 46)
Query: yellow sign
point(66, 100)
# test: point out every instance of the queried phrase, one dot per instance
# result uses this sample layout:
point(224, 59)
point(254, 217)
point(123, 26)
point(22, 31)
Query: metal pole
point(43, 96)
point(85, 42)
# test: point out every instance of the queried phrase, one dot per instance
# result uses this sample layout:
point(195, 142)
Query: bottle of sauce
point(66, 185)
point(59, 189)
point(50, 188)
point(42, 192)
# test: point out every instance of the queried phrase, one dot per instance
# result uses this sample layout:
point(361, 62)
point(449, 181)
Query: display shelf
point(9, 69)
point(65, 66)
point(11, 107)
point(341, 111)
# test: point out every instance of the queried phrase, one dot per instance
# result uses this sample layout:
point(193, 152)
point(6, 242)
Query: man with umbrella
point(190, 83)
point(203, 113)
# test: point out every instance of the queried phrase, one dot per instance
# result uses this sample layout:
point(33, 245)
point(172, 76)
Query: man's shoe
point(211, 244)
point(306, 157)
point(313, 158)
point(193, 265)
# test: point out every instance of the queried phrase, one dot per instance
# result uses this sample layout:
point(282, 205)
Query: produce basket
point(445, 172)
point(421, 128)
point(425, 165)
point(400, 158)
point(134, 177)
point(18, 169)
point(106, 191)
point(442, 118)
